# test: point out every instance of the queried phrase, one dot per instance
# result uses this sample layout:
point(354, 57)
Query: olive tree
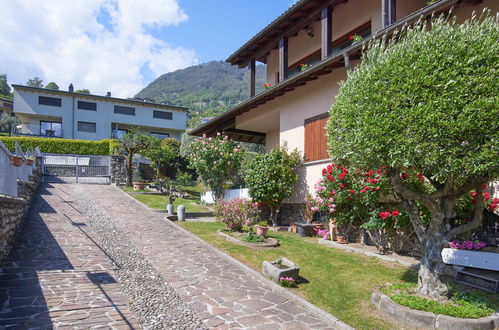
point(132, 143)
point(426, 99)
point(161, 152)
point(271, 177)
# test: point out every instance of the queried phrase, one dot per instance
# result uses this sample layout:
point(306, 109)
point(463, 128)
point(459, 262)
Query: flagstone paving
point(89, 256)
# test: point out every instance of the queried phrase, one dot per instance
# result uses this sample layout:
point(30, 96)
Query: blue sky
point(122, 45)
point(217, 28)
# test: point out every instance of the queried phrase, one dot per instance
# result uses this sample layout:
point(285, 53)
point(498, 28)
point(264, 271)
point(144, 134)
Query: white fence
point(207, 197)
point(10, 173)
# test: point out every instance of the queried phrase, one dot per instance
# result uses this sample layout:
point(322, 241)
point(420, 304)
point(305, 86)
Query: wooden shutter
point(316, 138)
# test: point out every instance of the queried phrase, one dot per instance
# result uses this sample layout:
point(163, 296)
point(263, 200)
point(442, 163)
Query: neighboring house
point(308, 50)
point(6, 106)
point(70, 115)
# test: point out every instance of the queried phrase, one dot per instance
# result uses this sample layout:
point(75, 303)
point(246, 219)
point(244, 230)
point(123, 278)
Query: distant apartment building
point(66, 114)
point(6, 106)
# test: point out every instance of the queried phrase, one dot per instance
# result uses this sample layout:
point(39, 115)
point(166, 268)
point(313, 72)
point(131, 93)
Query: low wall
point(207, 197)
point(118, 169)
point(14, 210)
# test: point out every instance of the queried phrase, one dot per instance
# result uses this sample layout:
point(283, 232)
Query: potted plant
point(341, 239)
point(309, 209)
point(261, 228)
point(139, 184)
point(16, 161)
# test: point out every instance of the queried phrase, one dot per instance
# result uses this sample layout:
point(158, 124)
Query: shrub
point(61, 146)
point(251, 237)
point(236, 213)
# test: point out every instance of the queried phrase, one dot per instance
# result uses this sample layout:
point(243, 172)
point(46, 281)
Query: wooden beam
point(283, 59)
point(252, 78)
point(271, 43)
point(326, 32)
point(388, 12)
point(245, 133)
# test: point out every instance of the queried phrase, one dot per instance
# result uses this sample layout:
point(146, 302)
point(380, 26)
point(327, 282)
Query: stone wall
point(118, 169)
point(13, 211)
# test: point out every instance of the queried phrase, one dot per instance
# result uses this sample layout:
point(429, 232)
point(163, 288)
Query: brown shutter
point(316, 138)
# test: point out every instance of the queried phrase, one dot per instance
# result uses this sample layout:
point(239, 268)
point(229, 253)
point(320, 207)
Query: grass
point(160, 201)
point(471, 304)
point(336, 281)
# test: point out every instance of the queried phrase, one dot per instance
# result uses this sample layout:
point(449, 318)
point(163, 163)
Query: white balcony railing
point(37, 130)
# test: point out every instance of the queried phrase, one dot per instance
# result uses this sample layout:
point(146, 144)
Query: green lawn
point(160, 201)
point(337, 281)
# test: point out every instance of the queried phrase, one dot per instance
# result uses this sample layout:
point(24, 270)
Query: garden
point(414, 150)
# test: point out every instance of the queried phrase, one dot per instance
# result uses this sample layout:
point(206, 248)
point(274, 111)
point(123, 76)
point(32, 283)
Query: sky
point(122, 45)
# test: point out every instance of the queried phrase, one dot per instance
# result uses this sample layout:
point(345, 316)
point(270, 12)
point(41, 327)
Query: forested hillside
point(206, 89)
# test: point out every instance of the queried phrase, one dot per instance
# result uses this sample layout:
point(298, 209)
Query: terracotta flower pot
point(293, 228)
point(318, 225)
point(139, 185)
point(16, 161)
point(29, 162)
point(261, 231)
point(341, 239)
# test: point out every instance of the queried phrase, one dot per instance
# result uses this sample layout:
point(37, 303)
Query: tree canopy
point(4, 85)
point(52, 85)
point(426, 100)
point(35, 82)
point(82, 91)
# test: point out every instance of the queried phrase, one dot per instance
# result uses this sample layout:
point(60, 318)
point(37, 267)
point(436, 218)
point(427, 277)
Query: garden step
point(479, 278)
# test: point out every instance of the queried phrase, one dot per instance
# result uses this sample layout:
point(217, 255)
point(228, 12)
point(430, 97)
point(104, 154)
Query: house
point(66, 114)
point(307, 51)
point(6, 106)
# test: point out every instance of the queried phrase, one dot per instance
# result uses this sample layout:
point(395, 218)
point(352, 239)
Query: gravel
point(154, 302)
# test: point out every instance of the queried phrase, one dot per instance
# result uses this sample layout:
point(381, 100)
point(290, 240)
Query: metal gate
point(76, 168)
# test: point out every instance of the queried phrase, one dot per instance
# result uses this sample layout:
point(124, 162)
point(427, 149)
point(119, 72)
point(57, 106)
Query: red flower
point(384, 215)
point(486, 196)
point(369, 173)
point(330, 169)
point(375, 188)
point(473, 194)
point(330, 178)
point(351, 37)
point(352, 191)
point(395, 213)
point(324, 171)
point(343, 186)
point(332, 193)
point(404, 176)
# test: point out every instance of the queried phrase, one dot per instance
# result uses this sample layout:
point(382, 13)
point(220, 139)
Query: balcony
point(44, 129)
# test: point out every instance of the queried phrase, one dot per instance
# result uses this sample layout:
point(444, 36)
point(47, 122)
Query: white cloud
point(101, 45)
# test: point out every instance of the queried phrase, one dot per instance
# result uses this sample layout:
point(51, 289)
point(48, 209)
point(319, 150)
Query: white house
point(66, 114)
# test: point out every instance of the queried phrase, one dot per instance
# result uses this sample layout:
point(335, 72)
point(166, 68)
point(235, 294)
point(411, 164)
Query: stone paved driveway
point(223, 294)
point(56, 276)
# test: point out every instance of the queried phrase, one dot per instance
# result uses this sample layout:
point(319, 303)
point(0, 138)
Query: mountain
point(206, 89)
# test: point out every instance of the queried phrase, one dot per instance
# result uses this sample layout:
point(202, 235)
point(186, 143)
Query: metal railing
point(35, 130)
point(14, 167)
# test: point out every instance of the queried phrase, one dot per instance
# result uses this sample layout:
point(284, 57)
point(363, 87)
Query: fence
point(207, 197)
point(13, 167)
point(76, 168)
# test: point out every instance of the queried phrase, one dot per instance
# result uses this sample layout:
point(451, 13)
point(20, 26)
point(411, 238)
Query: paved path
point(56, 276)
point(221, 293)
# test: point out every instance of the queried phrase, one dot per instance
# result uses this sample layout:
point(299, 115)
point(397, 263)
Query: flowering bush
point(267, 86)
point(287, 282)
point(236, 213)
point(216, 160)
point(467, 245)
point(324, 233)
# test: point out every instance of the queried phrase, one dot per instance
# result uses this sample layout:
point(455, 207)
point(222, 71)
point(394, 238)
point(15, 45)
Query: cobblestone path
point(221, 293)
point(56, 276)
point(89, 256)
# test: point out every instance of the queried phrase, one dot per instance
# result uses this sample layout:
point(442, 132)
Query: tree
point(52, 85)
point(7, 121)
point(132, 143)
point(270, 177)
point(4, 85)
point(414, 105)
point(216, 160)
point(35, 82)
point(161, 152)
point(82, 91)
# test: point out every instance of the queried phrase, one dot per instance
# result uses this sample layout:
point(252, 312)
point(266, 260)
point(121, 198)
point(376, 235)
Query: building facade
point(308, 50)
point(66, 114)
point(6, 106)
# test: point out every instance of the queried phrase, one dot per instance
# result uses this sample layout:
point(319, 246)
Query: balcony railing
point(36, 130)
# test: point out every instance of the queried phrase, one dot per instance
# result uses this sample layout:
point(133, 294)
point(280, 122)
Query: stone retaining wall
point(13, 211)
point(118, 169)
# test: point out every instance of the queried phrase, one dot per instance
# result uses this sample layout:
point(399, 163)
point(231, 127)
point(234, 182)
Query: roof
point(100, 97)
point(226, 120)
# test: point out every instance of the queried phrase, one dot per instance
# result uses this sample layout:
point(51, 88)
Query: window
point(53, 101)
point(344, 41)
point(120, 133)
point(84, 126)
point(49, 128)
point(304, 63)
point(162, 136)
point(87, 105)
point(124, 110)
point(162, 115)
point(316, 138)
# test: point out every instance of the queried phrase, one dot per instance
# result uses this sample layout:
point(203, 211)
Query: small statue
point(332, 229)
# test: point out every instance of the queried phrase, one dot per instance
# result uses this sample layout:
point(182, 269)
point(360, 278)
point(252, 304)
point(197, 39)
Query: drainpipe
point(71, 89)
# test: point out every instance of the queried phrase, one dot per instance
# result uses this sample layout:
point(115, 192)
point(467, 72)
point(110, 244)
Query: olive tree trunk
point(129, 172)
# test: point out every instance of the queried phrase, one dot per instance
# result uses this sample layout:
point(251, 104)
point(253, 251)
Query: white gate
point(76, 168)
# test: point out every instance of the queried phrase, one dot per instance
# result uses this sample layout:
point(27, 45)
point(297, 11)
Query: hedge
point(62, 146)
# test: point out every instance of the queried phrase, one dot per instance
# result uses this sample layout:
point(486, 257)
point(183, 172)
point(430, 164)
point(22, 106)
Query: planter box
point(271, 269)
point(475, 259)
point(305, 229)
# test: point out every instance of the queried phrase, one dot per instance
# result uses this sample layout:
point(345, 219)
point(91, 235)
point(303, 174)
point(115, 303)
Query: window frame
point(78, 105)
point(162, 112)
point(47, 98)
point(122, 107)
point(86, 123)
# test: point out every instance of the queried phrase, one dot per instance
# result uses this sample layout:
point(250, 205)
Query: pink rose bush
point(467, 245)
point(236, 213)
